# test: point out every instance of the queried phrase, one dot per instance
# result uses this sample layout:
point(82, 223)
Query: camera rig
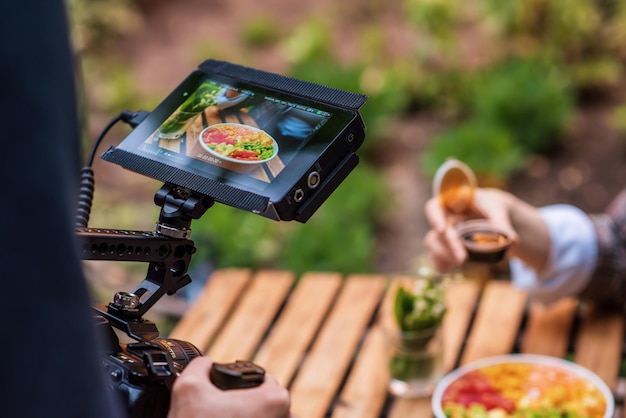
point(167, 249)
point(143, 372)
point(318, 130)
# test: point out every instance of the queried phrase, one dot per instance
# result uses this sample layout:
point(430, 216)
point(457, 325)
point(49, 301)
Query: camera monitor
point(255, 140)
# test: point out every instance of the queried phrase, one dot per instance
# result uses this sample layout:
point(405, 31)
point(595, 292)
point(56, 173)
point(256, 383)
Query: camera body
point(142, 373)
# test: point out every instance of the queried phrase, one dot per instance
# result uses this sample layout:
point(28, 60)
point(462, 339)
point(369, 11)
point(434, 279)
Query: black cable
point(87, 180)
point(96, 144)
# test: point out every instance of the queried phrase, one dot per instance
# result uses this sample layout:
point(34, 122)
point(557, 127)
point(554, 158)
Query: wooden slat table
point(320, 335)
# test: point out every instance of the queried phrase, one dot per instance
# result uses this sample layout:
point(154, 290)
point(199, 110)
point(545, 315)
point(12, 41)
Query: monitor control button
point(313, 180)
point(298, 195)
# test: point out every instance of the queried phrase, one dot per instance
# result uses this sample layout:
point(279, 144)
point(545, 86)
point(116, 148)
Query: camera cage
point(167, 250)
point(144, 371)
point(188, 193)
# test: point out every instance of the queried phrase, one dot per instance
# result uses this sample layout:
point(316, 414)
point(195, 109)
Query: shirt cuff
point(572, 259)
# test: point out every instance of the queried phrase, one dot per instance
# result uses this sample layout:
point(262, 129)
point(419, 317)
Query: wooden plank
point(461, 299)
point(170, 144)
point(252, 316)
point(212, 115)
point(192, 135)
point(599, 344)
point(202, 320)
point(497, 321)
point(366, 389)
point(297, 325)
point(411, 408)
point(246, 118)
point(548, 328)
point(325, 367)
point(231, 118)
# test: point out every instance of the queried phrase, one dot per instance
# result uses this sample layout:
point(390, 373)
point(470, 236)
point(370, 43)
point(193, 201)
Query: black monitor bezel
point(228, 187)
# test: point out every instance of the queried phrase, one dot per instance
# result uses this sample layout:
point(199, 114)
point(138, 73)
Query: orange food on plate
point(523, 389)
point(239, 142)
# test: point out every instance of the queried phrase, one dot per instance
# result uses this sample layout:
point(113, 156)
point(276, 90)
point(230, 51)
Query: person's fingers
point(275, 396)
point(199, 365)
point(195, 378)
point(440, 252)
point(455, 245)
point(435, 214)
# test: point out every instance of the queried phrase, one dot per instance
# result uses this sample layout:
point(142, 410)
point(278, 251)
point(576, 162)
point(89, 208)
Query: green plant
point(530, 99)
point(488, 149)
point(228, 237)
point(420, 307)
point(260, 31)
point(308, 42)
point(586, 35)
point(418, 312)
point(437, 20)
point(341, 236)
point(312, 58)
point(96, 24)
point(618, 119)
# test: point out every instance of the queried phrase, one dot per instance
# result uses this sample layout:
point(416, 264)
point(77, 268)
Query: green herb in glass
point(421, 307)
point(206, 95)
point(418, 313)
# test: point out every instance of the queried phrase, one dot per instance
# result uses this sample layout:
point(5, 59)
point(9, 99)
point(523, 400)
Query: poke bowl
point(238, 147)
point(522, 385)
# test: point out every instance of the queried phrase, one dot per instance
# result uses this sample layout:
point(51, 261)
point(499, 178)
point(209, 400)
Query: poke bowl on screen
point(238, 144)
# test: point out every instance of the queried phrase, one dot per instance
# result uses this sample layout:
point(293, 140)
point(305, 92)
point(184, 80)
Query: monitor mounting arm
point(167, 249)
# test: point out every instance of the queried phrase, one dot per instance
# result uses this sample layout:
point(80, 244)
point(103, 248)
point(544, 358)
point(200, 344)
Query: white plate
point(568, 366)
point(233, 163)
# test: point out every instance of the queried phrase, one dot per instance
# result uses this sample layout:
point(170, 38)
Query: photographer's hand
point(194, 396)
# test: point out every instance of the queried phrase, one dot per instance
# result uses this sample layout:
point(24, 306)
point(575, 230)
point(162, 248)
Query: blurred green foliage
point(339, 237)
point(528, 98)
point(542, 57)
point(488, 148)
point(618, 120)
point(260, 31)
point(98, 24)
point(585, 36)
point(437, 20)
point(516, 108)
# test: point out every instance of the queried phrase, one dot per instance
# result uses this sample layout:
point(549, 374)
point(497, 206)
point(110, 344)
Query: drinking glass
point(415, 361)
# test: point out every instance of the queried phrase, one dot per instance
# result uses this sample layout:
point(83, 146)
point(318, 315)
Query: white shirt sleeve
point(571, 261)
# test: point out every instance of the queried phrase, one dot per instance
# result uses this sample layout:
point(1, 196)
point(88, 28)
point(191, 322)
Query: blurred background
point(530, 94)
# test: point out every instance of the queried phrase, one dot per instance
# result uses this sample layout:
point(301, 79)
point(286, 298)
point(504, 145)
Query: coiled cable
point(87, 179)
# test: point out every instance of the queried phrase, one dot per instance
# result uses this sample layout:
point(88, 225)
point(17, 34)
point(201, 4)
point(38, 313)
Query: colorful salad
point(239, 142)
point(523, 390)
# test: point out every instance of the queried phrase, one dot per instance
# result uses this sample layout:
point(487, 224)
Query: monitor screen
point(249, 136)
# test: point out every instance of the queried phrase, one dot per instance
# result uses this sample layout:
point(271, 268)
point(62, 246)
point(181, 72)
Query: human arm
point(521, 221)
point(554, 248)
point(194, 396)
